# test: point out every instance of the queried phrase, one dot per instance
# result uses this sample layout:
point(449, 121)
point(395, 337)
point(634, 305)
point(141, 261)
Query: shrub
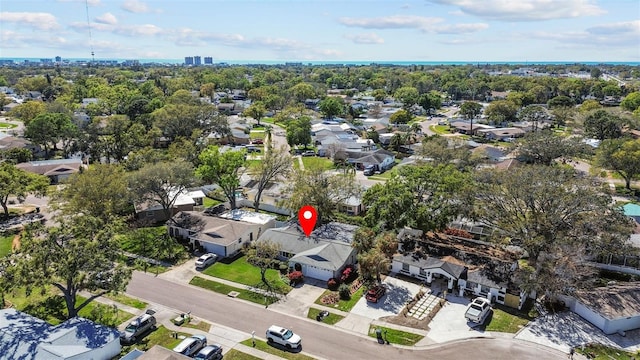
point(333, 284)
point(295, 277)
point(348, 274)
point(284, 267)
point(330, 299)
point(345, 292)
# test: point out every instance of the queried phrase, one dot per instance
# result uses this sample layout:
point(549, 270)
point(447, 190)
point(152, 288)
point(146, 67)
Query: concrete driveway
point(450, 324)
point(399, 292)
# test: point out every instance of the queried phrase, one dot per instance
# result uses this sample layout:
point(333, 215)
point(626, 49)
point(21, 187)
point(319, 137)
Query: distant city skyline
point(333, 31)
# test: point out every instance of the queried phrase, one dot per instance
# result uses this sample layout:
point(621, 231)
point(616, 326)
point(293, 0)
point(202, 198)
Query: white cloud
point(138, 30)
point(106, 18)
point(619, 34)
point(525, 10)
point(365, 38)
point(621, 28)
point(425, 24)
point(135, 6)
point(38, 20)
point(13, 39)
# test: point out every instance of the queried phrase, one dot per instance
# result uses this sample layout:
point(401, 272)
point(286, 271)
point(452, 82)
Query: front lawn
point(241, 272)
point(315, 162)
point(154, 243)
point(49, 306)
point(343, 305)
point(160, 336)
point(440, 129)
point(208, 202)
point(395, 336)
point(502, 321)
point(263, 346)
point(331, 319)
point(225, 289)
point(234, 354)
point(126, 300)
point(601, 352)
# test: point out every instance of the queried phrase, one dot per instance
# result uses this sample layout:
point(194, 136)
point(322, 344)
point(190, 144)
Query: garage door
point(316, 273)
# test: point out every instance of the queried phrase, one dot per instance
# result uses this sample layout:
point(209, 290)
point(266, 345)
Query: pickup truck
point(478, 310)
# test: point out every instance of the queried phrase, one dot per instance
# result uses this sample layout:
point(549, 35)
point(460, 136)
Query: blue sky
point(324, 30)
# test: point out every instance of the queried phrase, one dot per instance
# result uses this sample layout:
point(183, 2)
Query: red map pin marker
point(307, 216)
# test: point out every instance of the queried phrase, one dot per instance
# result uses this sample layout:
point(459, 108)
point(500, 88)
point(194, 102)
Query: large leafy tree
point(161, 183)
point(631, 102)
point(275, 163)
point(331, 107)
point(101, 192)
point(559, 219)
point(501, 111)
point(79, 254)
point(19, 183)
point(534, 114)
point(320, 189)
point(51, 128)
point(223, 169)
point(430, 100)
point(28, 111)
point(256, 111)
point(422, 197)
point(543, 147)
point(442, 150)
point(621, 156)
point(408, 96)
point(261, 255)
point(470, 110)
point(602, 124)
point(299, 131)
point(401, 116)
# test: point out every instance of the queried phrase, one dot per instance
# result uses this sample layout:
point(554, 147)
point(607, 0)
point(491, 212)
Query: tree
point(470, 110)
point(299, 131)
point(28, 111)
point(372, 264)
point(208, 90)
point(49, 129)
point(101, 191)
point(408, 96)
point(534, 114)
point(302, 91)
point(275, 163)
point(79, 254)
point(363, 240)
point(262, 254)
point(621, 156)
point(222, 169)
point(422, 197)
point(401, 116)
point(320, 189)
point(161, 183)
point(256, 111)
point(501, 111)
point(430, 100)
point(543, 147)
point(331, 106)
point(561, 101)
point(601, 125)
point(551, 213)
point(631, 102)
point(441, 150)
point(19, 183)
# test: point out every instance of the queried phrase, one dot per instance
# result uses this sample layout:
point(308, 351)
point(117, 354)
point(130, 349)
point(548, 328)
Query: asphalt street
point(320, 340)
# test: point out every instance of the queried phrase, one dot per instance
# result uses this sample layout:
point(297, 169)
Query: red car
point(257, 141)
point(375, 293)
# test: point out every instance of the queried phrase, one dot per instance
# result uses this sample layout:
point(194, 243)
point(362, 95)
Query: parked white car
point(478, 310)
point(206, 260)
point(283, 337)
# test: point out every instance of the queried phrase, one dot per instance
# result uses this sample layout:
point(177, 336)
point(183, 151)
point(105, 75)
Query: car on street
point(309, 153)
point(252, 149)
point(284, 337)
point(206, 260)
point(375, 293)
point(191, 345)
point(209, 352)
point(478, 310)
point(137, 329)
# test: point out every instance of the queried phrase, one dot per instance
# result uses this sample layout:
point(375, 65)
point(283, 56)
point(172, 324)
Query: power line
point(93, 59)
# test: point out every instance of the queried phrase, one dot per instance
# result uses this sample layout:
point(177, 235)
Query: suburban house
point(57, 170)
point(352, 206)
point(10, 106)
point(322, 255)
point(469, 267)
point(465, 127)
point(8, 142)
point(612, 309)
point(501, 134)
point(25, 337)
point(381, 159)
point(187, 200)
point(224, 235)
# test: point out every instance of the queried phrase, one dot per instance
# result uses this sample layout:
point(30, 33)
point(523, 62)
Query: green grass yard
point(234, 354)
point(4, 125)
point(331, 319)
point(226, 289)
point(263, 346)
point(314, 162)
point(5, 244)
point(502, 321)
point(601, 352)
point(343, 305)
point(241, 272)
point(396, 336)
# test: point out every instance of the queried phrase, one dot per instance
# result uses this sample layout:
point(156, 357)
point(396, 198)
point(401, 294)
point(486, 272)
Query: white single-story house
point(25, 337)
point(322, 255)
point(223, 235)
point(612, 309)
point(187, 200)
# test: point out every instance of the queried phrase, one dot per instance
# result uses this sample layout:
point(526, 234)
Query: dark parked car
point(375, 293)
point(369, 170)
point(210, 352)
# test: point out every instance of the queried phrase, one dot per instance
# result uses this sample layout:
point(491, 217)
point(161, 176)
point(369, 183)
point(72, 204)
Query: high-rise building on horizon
point(58, 59)
point(188, 60)
point(208, 60)
point(197, 61)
